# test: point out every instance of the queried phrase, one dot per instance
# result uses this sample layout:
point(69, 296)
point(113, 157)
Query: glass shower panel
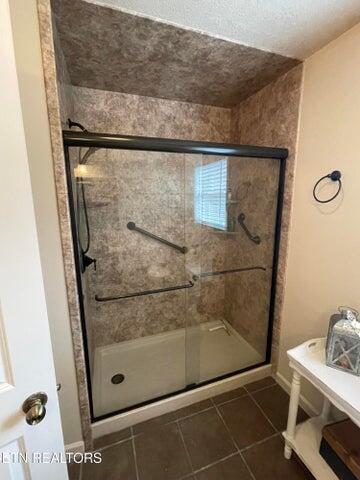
point(136, 296)
point(175, 254)
point(230, 205)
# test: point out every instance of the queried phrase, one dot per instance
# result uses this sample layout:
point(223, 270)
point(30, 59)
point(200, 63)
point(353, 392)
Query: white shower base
point(164, 363)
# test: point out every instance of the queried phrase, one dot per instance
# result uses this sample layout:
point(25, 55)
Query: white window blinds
point(210, 194)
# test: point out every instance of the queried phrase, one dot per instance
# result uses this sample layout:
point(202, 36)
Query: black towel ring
point(335, 177)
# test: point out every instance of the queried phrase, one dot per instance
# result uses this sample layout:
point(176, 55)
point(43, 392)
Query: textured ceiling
point(109, 49)
point(294, 28)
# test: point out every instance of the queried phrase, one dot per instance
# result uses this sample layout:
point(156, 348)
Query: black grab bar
point(254, 238)
point(145, 292)
point(224, 272)
point(132, 226)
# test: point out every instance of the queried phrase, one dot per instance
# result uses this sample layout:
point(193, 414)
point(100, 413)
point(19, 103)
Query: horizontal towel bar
point(145, 292)
point(224, 272)
point(177, 287)
point(132, 226)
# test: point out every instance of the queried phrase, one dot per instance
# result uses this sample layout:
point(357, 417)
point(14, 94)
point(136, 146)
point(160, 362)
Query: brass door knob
point(34, 408)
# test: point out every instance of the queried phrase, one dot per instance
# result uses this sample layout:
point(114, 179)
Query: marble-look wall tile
point(66, 103)
point(109, 49)
point(112, 112)
point(270, 117)
point(247, 306)
point(154, 190)
point(54, 109)
point(145, 188)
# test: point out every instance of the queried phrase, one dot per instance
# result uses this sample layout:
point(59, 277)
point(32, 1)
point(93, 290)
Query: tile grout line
point(186, 449)
point(247, 392)
point(216, 462)
point(191, 414)
point(223, 459)
point(247, 466)
point(241, 453)
point(231, 399)
point(234, 442)
point(277, 432)
point(260, 389)
point(134, 453)
point(114, 443)
point(245, 449)
point(262, 411)
point(195, 471)
point(186, 477)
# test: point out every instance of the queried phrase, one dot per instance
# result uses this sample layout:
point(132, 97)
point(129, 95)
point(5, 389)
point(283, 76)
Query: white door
point(26, 361)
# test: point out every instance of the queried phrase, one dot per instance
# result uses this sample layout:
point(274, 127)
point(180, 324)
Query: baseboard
point(127, 419)
point(304, 403)
point(76, 447)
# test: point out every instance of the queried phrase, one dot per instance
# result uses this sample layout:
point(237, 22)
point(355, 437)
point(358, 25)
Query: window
point(210, 194)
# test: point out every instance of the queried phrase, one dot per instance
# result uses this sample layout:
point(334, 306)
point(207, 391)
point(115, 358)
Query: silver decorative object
point(343, 342)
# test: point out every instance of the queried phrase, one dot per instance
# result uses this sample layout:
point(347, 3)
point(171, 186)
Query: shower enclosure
point(176, 249)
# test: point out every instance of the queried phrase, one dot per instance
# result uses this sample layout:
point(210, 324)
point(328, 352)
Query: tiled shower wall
point(64, 89)
point(155, 190)
point(105, 111)
point(234, 298)
point(125, 258)
point(263, 119)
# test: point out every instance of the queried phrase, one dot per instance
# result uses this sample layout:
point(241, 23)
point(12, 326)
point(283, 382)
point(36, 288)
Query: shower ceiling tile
point(112, 50)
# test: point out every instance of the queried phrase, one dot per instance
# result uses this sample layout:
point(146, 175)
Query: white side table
point(338, 388)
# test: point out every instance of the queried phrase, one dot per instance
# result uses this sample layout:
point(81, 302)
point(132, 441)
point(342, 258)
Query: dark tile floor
point(233, 436)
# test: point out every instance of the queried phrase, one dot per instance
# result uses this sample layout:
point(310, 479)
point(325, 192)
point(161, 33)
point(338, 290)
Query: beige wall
point(324, 258)
point(33, 100)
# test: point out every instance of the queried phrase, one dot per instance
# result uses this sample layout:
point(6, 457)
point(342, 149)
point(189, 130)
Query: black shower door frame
point(129, 142)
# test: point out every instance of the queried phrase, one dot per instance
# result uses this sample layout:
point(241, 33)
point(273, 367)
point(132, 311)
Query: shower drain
point(117, 378)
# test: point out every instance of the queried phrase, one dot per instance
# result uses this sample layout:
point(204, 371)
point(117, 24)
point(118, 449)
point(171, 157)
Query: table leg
point(326, 409)
point(292, 416)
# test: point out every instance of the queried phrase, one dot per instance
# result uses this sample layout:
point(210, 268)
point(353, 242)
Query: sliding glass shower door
point(231, 209)
point(175, 258)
